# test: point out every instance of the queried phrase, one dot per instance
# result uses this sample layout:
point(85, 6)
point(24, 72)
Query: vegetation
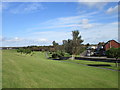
point(24, 51)
point(73, 46)
point(113, 53)
point(25, 71)
point(111, 65)
point(38, 48)
point(59, 55)
point(68, 46)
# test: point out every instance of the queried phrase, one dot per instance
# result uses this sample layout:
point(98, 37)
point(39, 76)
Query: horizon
point(40, 23)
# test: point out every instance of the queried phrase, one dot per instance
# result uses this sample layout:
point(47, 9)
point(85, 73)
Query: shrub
point(113, 53)
point(25, 51)
point(58, 55)
point(54, 55)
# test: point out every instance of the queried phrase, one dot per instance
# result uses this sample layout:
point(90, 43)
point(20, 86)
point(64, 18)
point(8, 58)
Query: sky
point(40, 23)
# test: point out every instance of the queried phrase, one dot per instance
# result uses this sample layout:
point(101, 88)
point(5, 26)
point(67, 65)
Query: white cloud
point(112, 10)
point(85, 24)
point(100, 33)
point(1, 38)
point(53, 35)
point(66, 22)
point(85, 21)
point(97, 4)
point(44, 40)
point(26, 7)
point(16, 41)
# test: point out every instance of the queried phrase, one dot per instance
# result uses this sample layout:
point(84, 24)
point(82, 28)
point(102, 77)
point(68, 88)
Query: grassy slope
point(20, 71)
point(85, 62)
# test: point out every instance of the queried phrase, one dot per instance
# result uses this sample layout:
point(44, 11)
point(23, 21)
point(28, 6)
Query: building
point(101, 48)
point(110, 44)
point(100, 51)
point(90, 50)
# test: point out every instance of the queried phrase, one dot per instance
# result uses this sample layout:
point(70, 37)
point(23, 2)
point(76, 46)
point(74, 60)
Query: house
point(101, 48)
point(100, 51)
point(90, 50)
point(110, 44)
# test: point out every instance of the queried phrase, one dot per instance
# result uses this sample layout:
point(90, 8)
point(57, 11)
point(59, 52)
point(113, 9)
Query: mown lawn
point(86, 62)
point(25, 71)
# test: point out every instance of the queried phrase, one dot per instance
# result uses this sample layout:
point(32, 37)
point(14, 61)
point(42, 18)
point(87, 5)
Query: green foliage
point(20, 50)
point(25, 51)
point(54, 43)
point(73, 46)
point(67, 55)
point(68, 46)
point(113, 53)
point(76, 42)
point(58, 55)
point(54, 55)
point(82, 49)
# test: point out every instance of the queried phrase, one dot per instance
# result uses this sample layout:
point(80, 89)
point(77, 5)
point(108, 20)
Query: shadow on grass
point(98, 65)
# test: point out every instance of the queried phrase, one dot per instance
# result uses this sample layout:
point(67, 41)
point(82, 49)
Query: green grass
point(20, 71)
point(85, 62)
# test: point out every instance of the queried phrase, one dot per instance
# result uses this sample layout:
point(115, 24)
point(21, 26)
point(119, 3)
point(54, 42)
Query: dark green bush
point(113, 53)
point(25, 51)
point(54, 55)
point(58, 54)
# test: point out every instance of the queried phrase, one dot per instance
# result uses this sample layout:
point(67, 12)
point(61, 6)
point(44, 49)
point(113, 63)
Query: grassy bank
point(25, 71)
point(86, 62)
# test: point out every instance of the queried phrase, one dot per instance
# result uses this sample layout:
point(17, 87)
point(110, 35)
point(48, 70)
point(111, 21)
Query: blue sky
point(39, 23)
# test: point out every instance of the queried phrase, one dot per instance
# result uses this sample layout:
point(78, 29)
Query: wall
point(112, 44)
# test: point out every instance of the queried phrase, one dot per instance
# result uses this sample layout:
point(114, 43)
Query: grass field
point(25, 71)
point(86, 62)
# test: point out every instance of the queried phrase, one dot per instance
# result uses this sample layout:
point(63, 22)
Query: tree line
point(69, 47)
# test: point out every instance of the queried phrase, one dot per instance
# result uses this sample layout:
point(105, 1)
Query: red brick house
point(110, 44)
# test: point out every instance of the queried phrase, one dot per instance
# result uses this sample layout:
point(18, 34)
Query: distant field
point(25, 71)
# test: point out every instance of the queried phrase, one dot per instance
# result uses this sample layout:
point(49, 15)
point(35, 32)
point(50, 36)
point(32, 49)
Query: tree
point(20, 50)
point(114, 53)
point(76, 43)
point(67, 44)
point(87, 45)
point(73, 46)
point(25, 51)
point(54, 43)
